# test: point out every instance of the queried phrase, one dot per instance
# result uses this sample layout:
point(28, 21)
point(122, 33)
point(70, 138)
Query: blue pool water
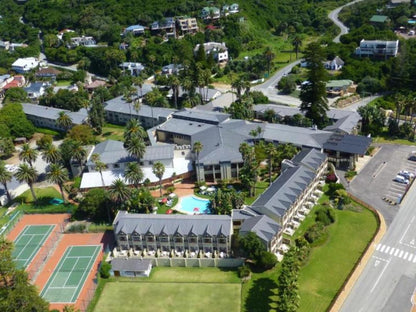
point(189, 204)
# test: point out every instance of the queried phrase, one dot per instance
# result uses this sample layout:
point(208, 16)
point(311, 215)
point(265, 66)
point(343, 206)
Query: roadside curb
point(359, 267)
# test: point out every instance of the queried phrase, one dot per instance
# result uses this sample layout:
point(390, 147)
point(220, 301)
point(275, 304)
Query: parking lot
point(375, 185)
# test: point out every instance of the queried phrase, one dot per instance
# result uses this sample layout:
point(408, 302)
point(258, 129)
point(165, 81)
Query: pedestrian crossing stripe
point(396, 252)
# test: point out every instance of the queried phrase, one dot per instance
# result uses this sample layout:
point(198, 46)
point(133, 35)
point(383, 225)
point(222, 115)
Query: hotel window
point(222, 241)
point(207, 240)
point(150, 239)
point(192, 240)
point(178, 240)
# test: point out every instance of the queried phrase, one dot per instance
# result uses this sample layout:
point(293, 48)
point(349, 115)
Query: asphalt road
point(388, 280)
point(333, 16)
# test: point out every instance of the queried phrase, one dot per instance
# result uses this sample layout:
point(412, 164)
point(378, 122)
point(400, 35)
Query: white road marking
point(410, 257)
point(376, 263)
point(414, 259)
point(391, 251)
point(381, 259)
point(382, 248)
point(405, 232)
point(401, 253)
point(387, 249)
point(396, 252)
point(381, 274)
point(405, 255)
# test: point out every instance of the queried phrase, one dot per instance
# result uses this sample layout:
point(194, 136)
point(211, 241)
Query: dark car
point(412, 158)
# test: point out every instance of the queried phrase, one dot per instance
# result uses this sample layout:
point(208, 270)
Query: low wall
point(198, 262)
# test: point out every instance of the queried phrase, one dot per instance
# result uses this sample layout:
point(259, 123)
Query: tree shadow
point(260, 295)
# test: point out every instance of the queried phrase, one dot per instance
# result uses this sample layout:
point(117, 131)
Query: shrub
point(77, 228)
point(267, 260)
point(170, 189)
point(105, 269)
point(331, 178)
point(333, 188)
point(244, 271)
point(325, 215)
point(314, 232)
point(44, 141)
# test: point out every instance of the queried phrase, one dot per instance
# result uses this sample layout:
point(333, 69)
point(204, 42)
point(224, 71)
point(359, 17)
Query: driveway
point(375, 180)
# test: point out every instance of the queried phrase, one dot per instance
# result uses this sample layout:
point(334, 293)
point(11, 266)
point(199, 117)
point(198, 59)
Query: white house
point(335, 64)
point(134, 68)
point(217, 49)
point(377, 48)
point(24, 65)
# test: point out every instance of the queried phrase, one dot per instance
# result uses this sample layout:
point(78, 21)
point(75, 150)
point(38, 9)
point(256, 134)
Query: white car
point(406, 174)
point(401, 179)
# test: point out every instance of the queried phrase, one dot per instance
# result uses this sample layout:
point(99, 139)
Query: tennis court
point(28, 243)
point(70, 274)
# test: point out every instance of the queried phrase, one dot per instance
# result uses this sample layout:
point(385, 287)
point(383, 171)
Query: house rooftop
point(264, 227)
point(130, 264)
point(339, 83)
point(202, 116)
point(53, 113)
point(346, 143)
point(379, 18)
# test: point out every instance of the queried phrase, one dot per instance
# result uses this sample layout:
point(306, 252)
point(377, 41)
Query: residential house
point(230, 9)
point(48, 72)
point(187, 25)
point(181, 233)
point(60, 35)
point(218, 50)
point(379, 19)
point(165, 27)
point(210, 13)
point(377, 48)
point(119, 111)
point(45, 117)
point(133, 68)
point(24, 65)
point(16, 82)
point(339, 87)
point(131, 267)
point(4, 80)
point(136, 30)
point(207, 94)
point(5, 45)
point(172, 69)
point(90, 87)
point(335, 64)
point(86, 41)
point(35, 90)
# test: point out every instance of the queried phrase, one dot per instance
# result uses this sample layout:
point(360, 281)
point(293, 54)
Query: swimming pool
point(194, 205)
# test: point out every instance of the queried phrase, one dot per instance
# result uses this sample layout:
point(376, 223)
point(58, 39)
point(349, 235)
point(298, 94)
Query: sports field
point(169, 297)
point(28, 243)
point(70, 274)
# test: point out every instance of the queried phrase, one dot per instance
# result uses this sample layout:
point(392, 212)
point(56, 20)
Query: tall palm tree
point(5, 177)
point(138, 81)
point(271, 153)
point(119, 192)
point(134, 128)
point(99, 165)
point(197, 149)
point(51, 154)
point(134, 174)
point(78, 153)
point(158, 170)
point(27, 174)
point(64, 121)
point(296, 43)
point(58, 175)
point(269, 55)
point(28, 154)
point(174, 84)
point(136, 147)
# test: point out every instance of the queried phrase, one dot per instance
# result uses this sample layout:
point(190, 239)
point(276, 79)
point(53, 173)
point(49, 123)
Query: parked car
point(406, 174)
point(401, 179)
point(412, 157)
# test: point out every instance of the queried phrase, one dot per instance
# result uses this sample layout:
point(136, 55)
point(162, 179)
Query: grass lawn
point(388, 140)
point(63, 83)
point(260, 188)
point(174, 289)
point(44, 195)
point(111, 132)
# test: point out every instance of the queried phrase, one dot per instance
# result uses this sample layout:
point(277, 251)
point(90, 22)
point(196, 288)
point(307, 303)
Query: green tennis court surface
point(28, 243)
point(70, 274)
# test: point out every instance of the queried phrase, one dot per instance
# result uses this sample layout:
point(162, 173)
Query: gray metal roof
point(347, 143)
point(112, 152)
point(184, 127)
point(172, 224)
point(243, 214)
point(119, 105)
point(264, 227)
point(289, 186)
point(201, 116)
point(53, 113)
point(130, 264)
point(34, 87)
point(280, 110)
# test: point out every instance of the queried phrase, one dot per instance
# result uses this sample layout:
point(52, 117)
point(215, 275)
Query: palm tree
point(51, 154)
point(134, 128)
point(64, 121)
point(58, 175)
point(134, 174)
point(197, 149)
point(119, 192)
point(99, 165)
point(138, 81)
point(271, 153)
point(174, 84)
point(78, 153)
point(27, 174)
point(158, 170)
point(269, 55)
point(5, 177)
point(136, 147)
point(297, 42)
point(28, 154)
